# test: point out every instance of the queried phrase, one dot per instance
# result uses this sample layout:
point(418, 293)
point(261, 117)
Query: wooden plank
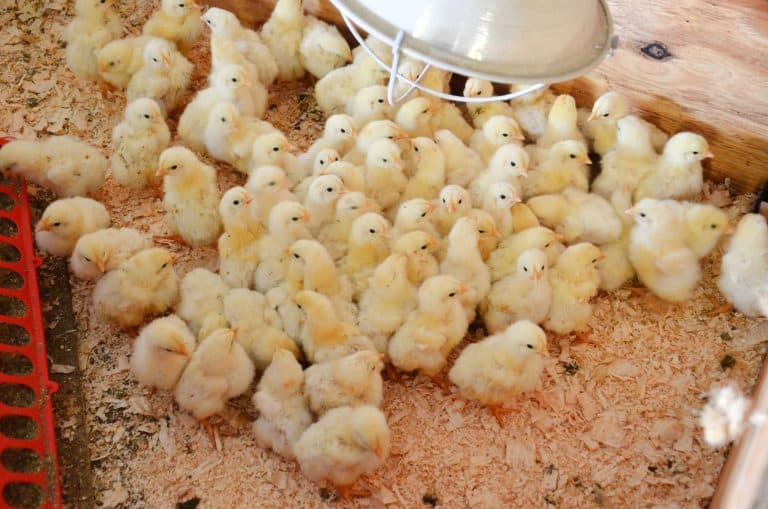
point(686, 65)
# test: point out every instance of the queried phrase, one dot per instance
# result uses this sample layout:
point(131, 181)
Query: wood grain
point(712, 76)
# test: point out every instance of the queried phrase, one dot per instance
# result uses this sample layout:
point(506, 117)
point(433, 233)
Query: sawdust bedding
point(613, 424)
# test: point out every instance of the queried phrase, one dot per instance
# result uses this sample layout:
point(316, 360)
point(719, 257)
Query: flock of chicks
point(382, 242)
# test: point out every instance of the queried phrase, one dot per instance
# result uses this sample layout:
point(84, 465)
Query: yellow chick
point(481, 112)
point(446, 115)
point(561, 123)
point(509, 164)
point(164, 76)
point(385, 180)
point(311, 268)
point(369, 104)
point(496, 131)
point(268, 185)
point(426, 164)
point(705, 224)
point(64, 221)
point(339, 134)
point(608, 109)
point(524, 295)
point(349, 381)
point(503, 261)
point(238, 245)
point(343, 445)
point(287, 224)
point(371, 132)
point(415, 117)
point(415, 215)
point(420, 248)
point(453, 202)
point(201, 302)
point(432, 330)
point(274, 149)
point(120, 59)
point(322, 48)
point(283, 409)
point(386, 302)
point(245, 310)
point(349, 207)
point(531, 109)
point(145, 285)
point(462, 164)
point(177, 21)
point(744, 269)
point(368, 245)
point(321, 200)
point(282, 33)
point(433, 79)
point(191, 197)
point(352, 176)
point(137, 142)
point(229, 136)
point(578, 216)
point(488, 234)
point(325, 337)
point(523, 217)
point(161, 352)
point(658, 250)
point(562, 165)
point(464, 262)
point(678, 173)
point(630, 161)
point(337, 89)
point(242, 45)
point(574, 280)
point(230, 84)
point(498, 201)
point(104, 250)
point(95, 24)
point(615, 268)
point(499, 368)
point(219, 370)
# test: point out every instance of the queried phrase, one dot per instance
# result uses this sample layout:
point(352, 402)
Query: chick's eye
point(713, 226)
point(234, 80)
point(354, 207)
point(424, 111)
point(481, 231)
point(111, 64)
point(385, 160)
point(503, 196)
point(329, 189)
point(606, 115)
point(322, 162)
point(294, 219)
point(275, 149)
point(88, 260)
point(236, 202)
point(343, 130)
point(181, 5)
point(223, 119)
point(572, 156)
point(452, 294)
point(525, 269)
point(505, 135)
point(460, 202)
point(146, 116)
point(642, 214)
point(424, 247)
point(57, 223)
point(695, 152)
point(530, 346)
point(512, 163)
point(371, 230)
point(164, 265)
point(295, 256)
point(416, 149)
point(424, 214)
point(380, 101)
point(594, 260)
point(174, 166)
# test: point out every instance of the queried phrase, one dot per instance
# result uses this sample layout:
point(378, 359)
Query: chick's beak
point(519, 136)
point(43, 226)
point(495, 233)
point(451, 206)
point(160, 172)
point(102, 68)
point(386, 234)
point(378, 451)
point(544, 351)
point(431, 206)
point(247, 199)
point(463, 289)
point(175, 257)
point(630, 212)
point(585, 160)
point(537, 274)
point(99, 265)
point(591, 116)
point(709, 155)
point(306, 216)
point(729, 230)
point(400, 136)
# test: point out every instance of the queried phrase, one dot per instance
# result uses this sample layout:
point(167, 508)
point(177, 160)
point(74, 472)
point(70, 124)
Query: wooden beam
point(691, 65)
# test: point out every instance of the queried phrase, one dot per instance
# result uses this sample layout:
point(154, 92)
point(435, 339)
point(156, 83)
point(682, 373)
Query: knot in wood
point(656, 50)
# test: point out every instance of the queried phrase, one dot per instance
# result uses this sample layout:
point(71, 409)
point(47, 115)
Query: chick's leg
point(208, 427)
point(499, 412)
point(175, 238)
point(392, 373)
point(350, 492)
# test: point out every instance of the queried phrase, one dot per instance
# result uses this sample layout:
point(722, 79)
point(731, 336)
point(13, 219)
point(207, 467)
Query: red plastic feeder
point(28, 463)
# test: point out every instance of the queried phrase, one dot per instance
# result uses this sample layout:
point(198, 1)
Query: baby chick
point(268, 185)
point(95, 24)
point(349, 381)
point(229, 136)
point(321, 200)
point(339, 134)
point(574, 280)
point(432, 330)
point(64, 164)
point(385, 180)
point(705, 224)
point(503, 261)
point(287, 224)
point(325, 337)
point(678, 173)
point(369, 104)
point(371, 132)
point(415, 116)
point(489, 235)
point(311, 268)
point(509, 164)
point(524, 295)
point(607, 110)
point(481, 112)
point(246, 311)
point(218, 370)
point(283, 409)
point(462, 164)
point(368, 245)
point(464, 262)
point(454, 202)
point(420, 248)
point(349, 207)
point(120, 59)
point(322, 48)
point(238, 245)
point(496, 131)
point(282, 33)
point(137, 142)
point(561, 123)
point(164, 76)
point(177, 21)
point(201, 302)
point(562, 165)
point(658, 250)
point(415, 215)
point(343, 445)
point(274, 149)
point(498, 201)
point(64, 221)
point(446, 115)
point(104, 250)
point(499, 368)
point(426, 163)
point(744, 269)
point(161, 352)
point(578, 216)
point(615, 268)
point(146, 284)
point(191, 196)
point(531, 110)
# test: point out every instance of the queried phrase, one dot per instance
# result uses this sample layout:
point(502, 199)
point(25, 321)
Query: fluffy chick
point(369, 104)
point(371, 132)
point(177, 21)
point(339, 134)
point(283, 410)
point(454, 202)
point(561, 123)
point(229, 136)
point(499, 368)
point(415, 116)
point(705, 224)
point(531, 110)
point(447, 115)
point(367, 246)
point(191, 196)
point(420, 248)
point(744, 268)
point(218, 370)
point(349, 207)
point(105, 250)
point(274, 149)
point(464, 262)
point(164, 76)
point(498, 201)
point(64, 221)
point(95, 24)
point(496, 131)
point(349, 381)
point(601, 127)
point(524, 295)
point(287, 224)
point(574, 280)
point(161, 352)
point(488, 234)
point(503, 261)
point(238, 245)
point(201, 302)
point(268, 185)
point(146, 284)
point(321, 200)
point(615, 269)
point(426, 164)
point(137, 142)
point(462, 164)
point(481, 112)
point(562, 165)
point(120, 59)
point(282, 33)
point(322, 48)
point(509, 164)
point(413, 215)
point(385, 180)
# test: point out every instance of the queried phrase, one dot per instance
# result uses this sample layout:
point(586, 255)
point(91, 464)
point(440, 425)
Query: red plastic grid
point(14, 484)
